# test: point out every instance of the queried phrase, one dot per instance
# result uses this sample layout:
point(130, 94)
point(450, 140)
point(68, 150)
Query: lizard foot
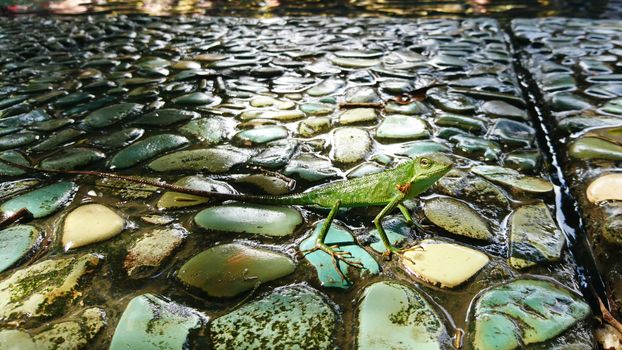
point(336, 255)
point(388, 254)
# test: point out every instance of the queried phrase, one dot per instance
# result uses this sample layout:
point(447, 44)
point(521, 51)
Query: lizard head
point(427, 169)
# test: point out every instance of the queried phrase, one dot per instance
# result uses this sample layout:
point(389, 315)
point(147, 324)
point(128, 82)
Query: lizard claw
point(399, 252)
point(336, 255)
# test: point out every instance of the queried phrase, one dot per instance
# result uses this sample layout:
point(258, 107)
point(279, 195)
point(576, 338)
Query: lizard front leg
point(320, 244)
point(378, 222)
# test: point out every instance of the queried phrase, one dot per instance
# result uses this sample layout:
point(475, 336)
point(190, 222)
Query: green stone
point(326, 87)
point(118, 139)
point(402, 127)
point(72, 158)
point(323, 262)
point(210, 131)
point(150, 323)
point(394, 316)
point(311, 168)
point(534, 237)
point(260, 135)
point(513, 179)
point(358, 115)
point(524, 312)
point(165, 117)
point(457, 217)
point(213, 160)
point(111, 115)
point(196, 182)
point(504, 110)
point(417, 148)
point(15, 157)
point(227, 270)
point(289, 317)
point(317, 108)
point(313, 126)
point(58, 139)
point(197, 99)
point(43, 201)
point(16, 242)
point(586, 148)
point(18, 140)
point(413, 108)
point(256, 219)
point(469, 124)
point(37, 290)
point(146, 149)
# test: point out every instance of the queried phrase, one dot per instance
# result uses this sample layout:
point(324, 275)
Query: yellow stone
point(606, 187)
point(90, 223)
point(444, 264)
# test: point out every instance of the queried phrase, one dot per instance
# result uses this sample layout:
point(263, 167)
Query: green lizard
point(388, 188)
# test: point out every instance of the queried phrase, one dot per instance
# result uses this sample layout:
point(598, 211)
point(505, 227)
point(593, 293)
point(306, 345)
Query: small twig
point(14, 217)
point(345, 105)
point(608, 317)
point(458, 338)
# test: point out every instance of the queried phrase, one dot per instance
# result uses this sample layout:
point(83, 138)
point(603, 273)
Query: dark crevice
point(568, 213)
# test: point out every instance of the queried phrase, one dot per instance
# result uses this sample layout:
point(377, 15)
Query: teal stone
point(323, 263)
point(8, 102)
point(15, 157)
point(612, 107)
point(58, 139)
point(276, 154)
point(553, 82)
point(15, 110)
point(51, 125)
point(91, 106)
point(290, 317)
point(512, 133)
point(476, 146)
point(463, 122)
point(43, 201)
point(153, 323)
point(397, 231)
point(395, 316)
point(579, 123)
point(363, 94)
point(491, 95)
point(446, 61)
point(255, 219)
point(503, 109)
point(561, 102)
point(165, 117)
point(17, 140)
point(353, 62)
point(73, 99)
point(402, 127)
point(524, 161)
point(417, 148)
point(451, 102)
point(213, 160)
point(111, 115)
point(210, 131)
point(413, 108)
point(227, 270)
point(197, 99)
point(363, 169)
point(72, 158)
point(146, 149)
point(502, 323)
point(317, 108)
point(35, 116)
point(16, 242)
point(534, 237)
point(117, 139)
point(326, 87)
point(311, 168)
point(260, 135)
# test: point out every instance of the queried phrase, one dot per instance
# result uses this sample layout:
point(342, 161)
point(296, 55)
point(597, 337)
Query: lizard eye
point(425, 162)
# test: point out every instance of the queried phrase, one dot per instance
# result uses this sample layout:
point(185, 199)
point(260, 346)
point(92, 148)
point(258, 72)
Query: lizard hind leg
point(336, 255)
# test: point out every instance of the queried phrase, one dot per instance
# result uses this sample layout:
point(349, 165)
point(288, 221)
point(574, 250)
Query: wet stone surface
point(576, 66)
point(277, 106)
